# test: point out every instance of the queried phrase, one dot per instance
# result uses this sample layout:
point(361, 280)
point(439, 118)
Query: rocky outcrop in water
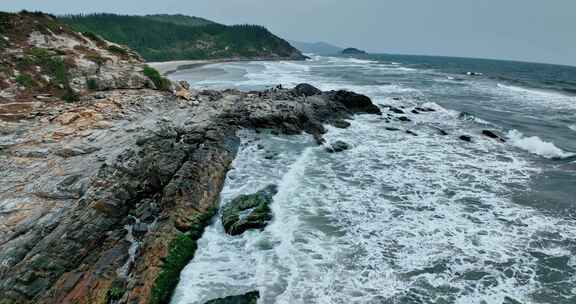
point(249, 298)
point(249, 211)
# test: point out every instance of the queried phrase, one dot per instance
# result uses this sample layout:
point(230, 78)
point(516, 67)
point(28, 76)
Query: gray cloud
point(530, 30)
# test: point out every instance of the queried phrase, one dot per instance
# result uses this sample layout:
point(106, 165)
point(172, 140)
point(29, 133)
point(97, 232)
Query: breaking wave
point(536, 145)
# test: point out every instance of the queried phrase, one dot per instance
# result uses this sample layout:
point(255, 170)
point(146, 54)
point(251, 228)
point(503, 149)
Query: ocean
point(405, 218)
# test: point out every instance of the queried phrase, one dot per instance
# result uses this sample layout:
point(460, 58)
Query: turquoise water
point(402, 218)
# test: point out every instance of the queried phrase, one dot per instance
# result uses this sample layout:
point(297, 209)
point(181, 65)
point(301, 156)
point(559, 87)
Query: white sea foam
point(539, 98)
point(395, 218)
point(572, 127)
point(536, 145)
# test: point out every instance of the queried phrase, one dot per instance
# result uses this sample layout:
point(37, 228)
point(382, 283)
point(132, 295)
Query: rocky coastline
point(102, 200)
point(109, 172)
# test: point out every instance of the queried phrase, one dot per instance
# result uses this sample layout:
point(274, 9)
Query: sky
point(525, 30)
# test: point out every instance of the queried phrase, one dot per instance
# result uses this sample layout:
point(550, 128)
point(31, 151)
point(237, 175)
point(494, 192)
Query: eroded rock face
point(107, 202)
point(249, 211)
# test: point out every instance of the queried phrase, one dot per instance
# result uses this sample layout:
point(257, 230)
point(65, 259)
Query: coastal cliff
point(104, 195)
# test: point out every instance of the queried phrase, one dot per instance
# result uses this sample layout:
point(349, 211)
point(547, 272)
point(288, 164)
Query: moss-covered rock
point(249, 211)
point(181, 252)
point(249, 298)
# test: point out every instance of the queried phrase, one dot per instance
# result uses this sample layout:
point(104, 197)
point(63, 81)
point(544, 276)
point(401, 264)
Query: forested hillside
point(177, 37)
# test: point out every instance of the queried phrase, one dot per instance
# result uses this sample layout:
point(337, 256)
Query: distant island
point(352, 51)
point(180, 37)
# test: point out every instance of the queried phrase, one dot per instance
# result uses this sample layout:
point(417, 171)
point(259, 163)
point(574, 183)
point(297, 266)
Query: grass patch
point(25, 80)
point(92, 37)
point(99, 60)
point(160, 82)
point(181, 250)
point(118, 50)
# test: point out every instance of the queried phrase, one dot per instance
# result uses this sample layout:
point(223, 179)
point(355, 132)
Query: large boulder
point(356, 103)
point(305, 89)
point(249, 211)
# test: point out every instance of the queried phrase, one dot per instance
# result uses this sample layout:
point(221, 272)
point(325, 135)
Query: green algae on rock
point(249, 211)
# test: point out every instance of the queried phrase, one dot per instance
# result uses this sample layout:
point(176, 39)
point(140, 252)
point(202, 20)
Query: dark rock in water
point(421, 109)
point(411, 133)
point(392, 129)
point(338, 146)
point(474, 74)
point(270, 155)
point(249, 211)
point(353, 51)
point(249, 298)
point(466, 138)
point(396, 98)
point(403, 118)
point(493, 135)
point(415, 111)
point(441, 132)
point(354, 102)
point(342, 124)
point(395, 110)
point(319, 139)
point(465, 116)
point(305, 89)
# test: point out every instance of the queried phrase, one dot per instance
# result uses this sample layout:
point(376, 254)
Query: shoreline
point(169, 67)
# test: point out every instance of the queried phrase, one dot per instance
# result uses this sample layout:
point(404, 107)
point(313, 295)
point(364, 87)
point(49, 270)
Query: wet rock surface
point(337, 146)
point(249, 211)
point(103, 200)
point(249, 298)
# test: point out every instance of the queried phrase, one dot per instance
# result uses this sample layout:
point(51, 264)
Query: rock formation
point(103, 198)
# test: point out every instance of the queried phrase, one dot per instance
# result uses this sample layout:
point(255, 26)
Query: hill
point(353, 51)
point(177, 37)
point(319, 48)
point(45, 60)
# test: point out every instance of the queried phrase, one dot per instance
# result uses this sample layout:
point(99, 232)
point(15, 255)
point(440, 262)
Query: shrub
point(160, 82)
point(92, 84)
point(25, 80)
point(118, 50)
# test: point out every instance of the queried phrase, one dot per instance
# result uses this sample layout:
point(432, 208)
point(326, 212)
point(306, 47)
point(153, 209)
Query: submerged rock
point(341, 124)
point(395, 110)
point(338, 146)
point(249, 298)
point(466, 138)
point(249, 211)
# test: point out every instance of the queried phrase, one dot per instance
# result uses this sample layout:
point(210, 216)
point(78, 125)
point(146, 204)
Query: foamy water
point(536, 145)
point(397, 218)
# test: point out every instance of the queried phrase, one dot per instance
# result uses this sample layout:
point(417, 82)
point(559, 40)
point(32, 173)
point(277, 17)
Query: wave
point(536, 145)
point(572, 127)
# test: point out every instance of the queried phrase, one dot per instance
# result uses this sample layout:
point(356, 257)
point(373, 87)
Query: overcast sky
point(529, 30)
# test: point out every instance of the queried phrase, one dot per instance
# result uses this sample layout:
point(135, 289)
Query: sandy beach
point(168, 67)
